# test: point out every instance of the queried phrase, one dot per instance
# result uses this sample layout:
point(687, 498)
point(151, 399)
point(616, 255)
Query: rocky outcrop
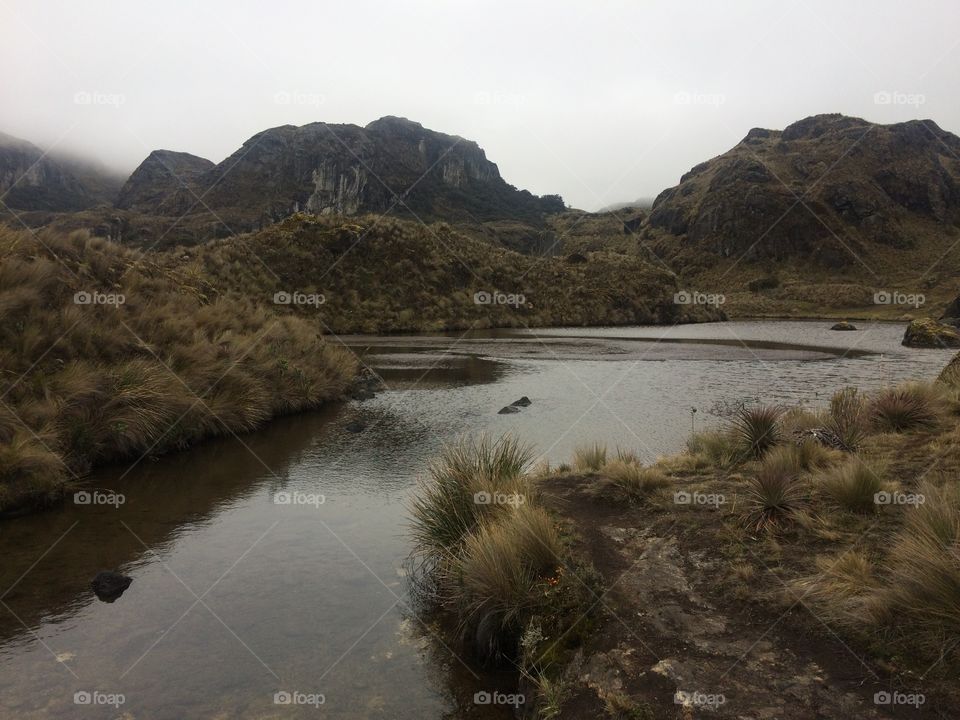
point(392, 164)
point(166, 183)
point(796, 192)
point(843, 325)
point(33, 180)
point(928, 333)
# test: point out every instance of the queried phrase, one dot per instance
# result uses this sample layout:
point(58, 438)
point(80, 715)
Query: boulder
point(109, 586)
point(522, 402)
point(355, 426)
point(843, 325)
point(508, 410)
point(928, 333)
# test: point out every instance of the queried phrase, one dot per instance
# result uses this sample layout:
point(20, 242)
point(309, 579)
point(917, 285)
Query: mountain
point(391, 164)
point(33, 180)
point(825, 189)
point(166, 183)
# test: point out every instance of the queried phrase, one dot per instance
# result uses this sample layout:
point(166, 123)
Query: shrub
point(757, 429)
point(853, 485)
point(841, 589)
point(910, 406)
point(590, 458)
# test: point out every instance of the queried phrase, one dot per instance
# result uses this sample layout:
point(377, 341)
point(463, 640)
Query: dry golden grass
point(180, 359)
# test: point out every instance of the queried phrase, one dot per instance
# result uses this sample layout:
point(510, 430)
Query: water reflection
point(236, 597)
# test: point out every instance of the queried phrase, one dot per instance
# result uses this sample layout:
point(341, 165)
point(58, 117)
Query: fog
point(599, 101)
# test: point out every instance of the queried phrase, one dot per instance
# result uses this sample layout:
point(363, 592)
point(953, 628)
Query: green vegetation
point(906, 407)
point(493, 558)
point(757, 429)
point(89, 379)
point(853, 486)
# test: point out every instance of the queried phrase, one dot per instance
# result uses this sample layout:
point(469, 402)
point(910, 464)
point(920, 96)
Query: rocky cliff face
point(391, 164)
point(822, 182)
point(30, 180)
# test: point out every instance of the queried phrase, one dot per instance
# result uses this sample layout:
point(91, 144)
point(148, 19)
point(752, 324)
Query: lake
point(269, 570)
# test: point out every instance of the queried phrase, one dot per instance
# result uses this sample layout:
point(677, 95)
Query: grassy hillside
point(381, 275)
point(87, 378)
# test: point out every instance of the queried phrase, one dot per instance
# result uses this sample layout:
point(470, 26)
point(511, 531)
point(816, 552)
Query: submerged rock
point(522, 402)
point(108, 585)
point(355, 426)
point(843, 325)
point(928, 333)
point(508, 409)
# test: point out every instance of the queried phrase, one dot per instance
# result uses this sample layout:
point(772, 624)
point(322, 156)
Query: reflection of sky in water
point(312, 598)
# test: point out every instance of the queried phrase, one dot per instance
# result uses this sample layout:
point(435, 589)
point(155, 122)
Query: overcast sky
point(598, 101)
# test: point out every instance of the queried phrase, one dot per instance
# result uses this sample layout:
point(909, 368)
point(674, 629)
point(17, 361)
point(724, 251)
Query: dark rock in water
point(928, 333)
point(366, 385)
point(109, 586)
point(355, 426)
point(508, 409)
point(844, 325)
point(522, 402)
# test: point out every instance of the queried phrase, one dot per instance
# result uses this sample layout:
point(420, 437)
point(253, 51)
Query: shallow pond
point(274, 563)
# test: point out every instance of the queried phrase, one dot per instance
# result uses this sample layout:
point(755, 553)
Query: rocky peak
point(392, 164)
point(861, 181)
point(167, 182)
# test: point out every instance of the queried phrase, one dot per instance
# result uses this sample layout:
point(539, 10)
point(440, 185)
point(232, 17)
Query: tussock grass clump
point(797, 458)
point(717, 447)
point(853, 486)
point(911, 406)
point(923, 571)
point(590, 458)
point(471, 479)
point(848, 416)
point(631, 480)
point(910, 597)
point(757, 429)
point(774, 493)
point(841, 589)
point(492, 580)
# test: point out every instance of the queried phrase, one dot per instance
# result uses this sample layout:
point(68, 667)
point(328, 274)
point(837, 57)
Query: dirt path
point(676, 643)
